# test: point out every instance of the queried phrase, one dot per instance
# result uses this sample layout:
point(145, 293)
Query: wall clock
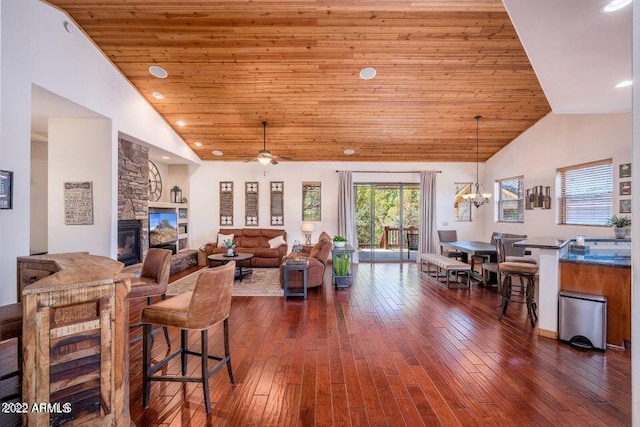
point(155, 182)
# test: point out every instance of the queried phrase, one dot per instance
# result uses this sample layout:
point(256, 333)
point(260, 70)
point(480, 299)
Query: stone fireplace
point(133, 197)
point(129, 242)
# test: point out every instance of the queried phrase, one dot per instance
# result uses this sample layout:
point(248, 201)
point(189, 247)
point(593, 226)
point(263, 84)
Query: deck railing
point(391, 238)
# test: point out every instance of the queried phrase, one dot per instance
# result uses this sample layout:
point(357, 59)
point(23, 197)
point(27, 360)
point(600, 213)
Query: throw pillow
point(222, 238)
point(276, 241)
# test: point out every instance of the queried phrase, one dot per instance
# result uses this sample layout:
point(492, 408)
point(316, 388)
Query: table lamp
point(307, 228)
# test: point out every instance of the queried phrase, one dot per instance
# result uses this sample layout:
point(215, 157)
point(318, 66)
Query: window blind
point(585, 193)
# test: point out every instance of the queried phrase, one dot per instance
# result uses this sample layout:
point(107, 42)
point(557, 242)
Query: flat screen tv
point(163, 228)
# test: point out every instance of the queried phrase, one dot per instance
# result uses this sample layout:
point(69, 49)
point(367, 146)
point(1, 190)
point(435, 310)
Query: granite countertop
point(608, 257)
point(543, 243)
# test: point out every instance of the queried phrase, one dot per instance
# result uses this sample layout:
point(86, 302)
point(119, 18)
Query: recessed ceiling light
point(349, 151)
point(198, 144)
point(158, 95)
point(217, 153)
point(624, 83)
point(68, 27)
point(181, 123)
point(166, 157)
point(367, 73)
point(616, 5)
point(158, 71)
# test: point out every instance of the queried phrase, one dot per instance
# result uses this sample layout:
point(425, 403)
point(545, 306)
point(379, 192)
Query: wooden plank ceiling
point(234, 63)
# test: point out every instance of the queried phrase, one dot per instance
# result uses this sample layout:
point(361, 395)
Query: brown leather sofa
point(254, 241)
point(318, 257)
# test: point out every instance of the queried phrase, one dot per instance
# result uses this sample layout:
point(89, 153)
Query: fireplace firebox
point(129, 245)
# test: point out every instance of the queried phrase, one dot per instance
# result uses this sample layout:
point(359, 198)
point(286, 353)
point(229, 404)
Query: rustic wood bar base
point(75, 341)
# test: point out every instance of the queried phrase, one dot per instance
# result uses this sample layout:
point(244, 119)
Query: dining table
point(471, 250)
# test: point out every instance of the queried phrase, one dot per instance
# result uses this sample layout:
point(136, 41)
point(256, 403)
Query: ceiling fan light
point(264, 161)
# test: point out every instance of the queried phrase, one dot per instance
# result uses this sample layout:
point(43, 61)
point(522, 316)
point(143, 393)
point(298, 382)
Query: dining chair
point(412, 242)
point(449, 236)
point(206, 306)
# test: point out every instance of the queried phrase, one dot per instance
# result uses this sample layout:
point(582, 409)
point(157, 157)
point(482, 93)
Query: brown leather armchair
point(318, 256)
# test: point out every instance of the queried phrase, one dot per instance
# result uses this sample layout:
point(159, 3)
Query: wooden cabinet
point(611, 282)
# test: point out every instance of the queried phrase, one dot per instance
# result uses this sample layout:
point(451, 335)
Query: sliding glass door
point(387, 217)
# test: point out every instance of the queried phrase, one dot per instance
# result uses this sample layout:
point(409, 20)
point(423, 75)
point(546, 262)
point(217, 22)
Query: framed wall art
point(78, 203)
point(6, 190)
point(625, 170)
point(625, 206)
point(625, 188)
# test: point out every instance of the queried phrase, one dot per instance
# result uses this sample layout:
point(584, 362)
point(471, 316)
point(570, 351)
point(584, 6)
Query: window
point(461, 207)
point(311, 206)
point(510, 199)
point(585, 193)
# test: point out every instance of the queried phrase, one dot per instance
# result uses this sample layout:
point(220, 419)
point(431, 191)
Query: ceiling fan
point(264, 156)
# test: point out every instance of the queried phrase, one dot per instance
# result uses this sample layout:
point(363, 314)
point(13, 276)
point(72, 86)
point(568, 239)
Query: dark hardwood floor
point(394, 349)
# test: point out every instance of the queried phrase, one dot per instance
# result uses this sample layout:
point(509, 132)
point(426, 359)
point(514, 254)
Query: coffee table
point(239, 258)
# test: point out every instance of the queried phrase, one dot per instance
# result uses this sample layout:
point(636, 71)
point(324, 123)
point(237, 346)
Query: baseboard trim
point(548, 334)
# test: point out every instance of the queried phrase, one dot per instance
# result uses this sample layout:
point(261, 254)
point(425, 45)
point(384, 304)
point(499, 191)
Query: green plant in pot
point(619, 224)
point(339, 241)
point(342, 270)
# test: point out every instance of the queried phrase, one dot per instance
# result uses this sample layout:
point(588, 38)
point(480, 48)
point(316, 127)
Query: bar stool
point(11, 328)
point(207, 306)
point(524, 292)
point(153, 282)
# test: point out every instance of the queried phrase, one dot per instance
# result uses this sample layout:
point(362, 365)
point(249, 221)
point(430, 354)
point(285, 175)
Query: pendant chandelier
point(478, 199)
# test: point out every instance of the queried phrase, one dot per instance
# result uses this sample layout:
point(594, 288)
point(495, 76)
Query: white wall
point(38, 202)
point(79, 150)
point(205, 182)
point(555, 141)
point(36, 50)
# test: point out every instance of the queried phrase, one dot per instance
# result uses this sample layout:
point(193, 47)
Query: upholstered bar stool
point(207, 306)
point(524, 291)
point(153, 281)
point(11, 328)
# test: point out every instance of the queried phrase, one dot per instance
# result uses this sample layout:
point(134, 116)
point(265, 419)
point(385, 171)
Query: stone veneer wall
point(133, 187)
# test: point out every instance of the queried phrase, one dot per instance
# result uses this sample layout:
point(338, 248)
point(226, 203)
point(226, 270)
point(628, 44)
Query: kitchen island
point(603, 269)
point(75, 339)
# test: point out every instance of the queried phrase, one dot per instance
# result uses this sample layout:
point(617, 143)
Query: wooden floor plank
point(395, 348)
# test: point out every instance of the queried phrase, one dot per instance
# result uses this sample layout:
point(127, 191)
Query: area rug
point(263, 282)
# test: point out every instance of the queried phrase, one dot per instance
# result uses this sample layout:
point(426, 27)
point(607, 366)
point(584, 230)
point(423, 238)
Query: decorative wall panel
point(251, 204)
point(277, 203)
point(226, 203)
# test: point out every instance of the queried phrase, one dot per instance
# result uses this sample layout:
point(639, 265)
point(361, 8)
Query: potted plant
point(230, 247)
point(619, 224)
point(339, 241)
point(342, 270)
point(295, 250)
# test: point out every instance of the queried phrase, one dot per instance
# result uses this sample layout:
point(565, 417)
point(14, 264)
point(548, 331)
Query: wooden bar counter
point(75, 340)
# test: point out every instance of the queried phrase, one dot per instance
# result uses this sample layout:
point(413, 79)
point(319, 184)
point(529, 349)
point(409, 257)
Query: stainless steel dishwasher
point(583, 320)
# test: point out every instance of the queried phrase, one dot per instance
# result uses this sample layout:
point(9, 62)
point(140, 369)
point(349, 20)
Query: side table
point(290, 265)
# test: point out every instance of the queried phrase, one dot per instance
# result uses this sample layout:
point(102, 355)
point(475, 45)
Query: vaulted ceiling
point(233, 64)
